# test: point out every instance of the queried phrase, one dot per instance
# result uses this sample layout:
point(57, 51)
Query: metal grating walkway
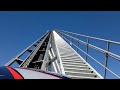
point(73, 64)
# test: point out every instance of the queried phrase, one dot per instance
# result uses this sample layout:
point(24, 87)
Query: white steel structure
point(53, 53)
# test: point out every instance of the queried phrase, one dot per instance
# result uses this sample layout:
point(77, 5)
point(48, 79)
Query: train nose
point(25, 73)
point(9, 73)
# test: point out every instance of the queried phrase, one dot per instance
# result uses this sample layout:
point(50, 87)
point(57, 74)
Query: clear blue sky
point(18, 29)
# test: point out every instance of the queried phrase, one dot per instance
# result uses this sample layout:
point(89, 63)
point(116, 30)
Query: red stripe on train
point(14, 73)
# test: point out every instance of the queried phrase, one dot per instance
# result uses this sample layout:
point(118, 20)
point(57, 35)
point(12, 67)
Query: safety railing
point(106, 52)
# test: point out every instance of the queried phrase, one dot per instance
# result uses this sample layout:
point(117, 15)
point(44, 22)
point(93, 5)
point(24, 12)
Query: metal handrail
point(96, 48)
point(106, 52)
point(105, 40)
point(93, 59)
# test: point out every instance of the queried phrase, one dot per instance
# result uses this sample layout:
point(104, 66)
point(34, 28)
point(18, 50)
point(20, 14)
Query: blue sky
point(18, 29)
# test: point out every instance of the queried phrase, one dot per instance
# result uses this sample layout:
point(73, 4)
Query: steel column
point(106, 59)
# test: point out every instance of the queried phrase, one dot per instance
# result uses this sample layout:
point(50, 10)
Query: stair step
point(68, 63)
point(68, 53)
point(81, 74)
point(73, 61)
point(81, 77)
point(62, 45)
point(66, 59)
point(72, 55)
point(70, 58)
point(65, 52)
point(65, 49)
point(78, 70)
point(74, 66)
